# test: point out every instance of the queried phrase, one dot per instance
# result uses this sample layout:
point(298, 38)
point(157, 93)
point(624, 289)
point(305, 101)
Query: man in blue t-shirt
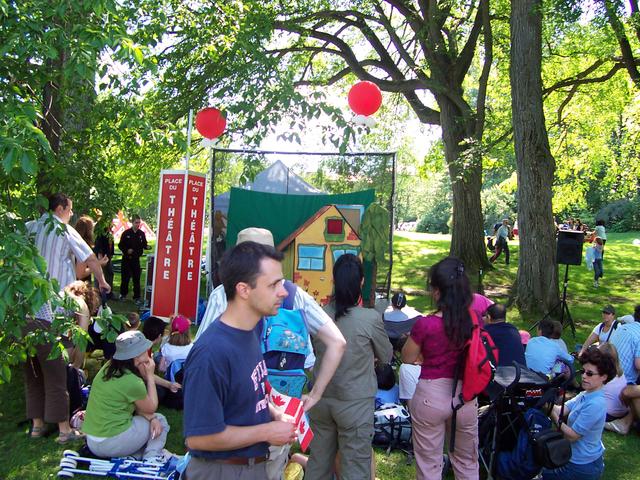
point(227, 421)
point(504, 335)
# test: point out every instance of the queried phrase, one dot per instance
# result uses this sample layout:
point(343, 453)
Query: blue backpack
point(285, 346)
point(537, 446)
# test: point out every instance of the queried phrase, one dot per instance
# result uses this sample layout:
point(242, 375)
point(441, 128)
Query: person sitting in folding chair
point(399, 319)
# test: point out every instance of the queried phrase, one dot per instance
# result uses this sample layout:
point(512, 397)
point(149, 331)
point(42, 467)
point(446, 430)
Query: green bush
point(622, 215)
point(496, 205)
point(436, 218)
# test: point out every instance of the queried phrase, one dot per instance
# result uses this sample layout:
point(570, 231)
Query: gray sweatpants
point(200, 469)
point(136, 440)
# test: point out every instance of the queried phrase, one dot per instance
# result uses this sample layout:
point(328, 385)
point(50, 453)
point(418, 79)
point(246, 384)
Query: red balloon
point(210, 122)
point(365, 98)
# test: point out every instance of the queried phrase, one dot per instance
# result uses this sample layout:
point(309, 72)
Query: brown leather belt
point(239, 460)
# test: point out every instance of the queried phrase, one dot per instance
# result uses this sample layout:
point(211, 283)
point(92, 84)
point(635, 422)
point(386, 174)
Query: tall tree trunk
point(465, 171)
point(537, 280)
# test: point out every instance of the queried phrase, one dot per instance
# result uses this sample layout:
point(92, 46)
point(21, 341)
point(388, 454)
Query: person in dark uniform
point(132, 243)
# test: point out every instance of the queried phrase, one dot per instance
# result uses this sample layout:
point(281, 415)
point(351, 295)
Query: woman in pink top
point(440, 338)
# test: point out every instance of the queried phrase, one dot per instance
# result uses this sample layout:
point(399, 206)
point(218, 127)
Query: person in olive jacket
point(342, 420)
point(132, 244)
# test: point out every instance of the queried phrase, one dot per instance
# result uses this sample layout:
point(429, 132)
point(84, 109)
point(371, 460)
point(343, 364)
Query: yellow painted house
point(311, 250)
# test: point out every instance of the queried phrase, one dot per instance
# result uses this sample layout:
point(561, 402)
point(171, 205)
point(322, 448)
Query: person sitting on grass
point(504, 335)
point(121, 418)
point(153, 329)
point(583, 419)
point(602, 332)
point(179, 343)
point(542, 351)
point(619, 416)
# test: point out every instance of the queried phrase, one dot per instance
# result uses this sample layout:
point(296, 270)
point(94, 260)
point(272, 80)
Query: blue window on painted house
point(338, 250)
point(311, 257)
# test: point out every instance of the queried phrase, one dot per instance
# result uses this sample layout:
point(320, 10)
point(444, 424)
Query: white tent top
point(277, 178)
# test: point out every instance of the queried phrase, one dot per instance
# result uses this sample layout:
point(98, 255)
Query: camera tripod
point(562, 305)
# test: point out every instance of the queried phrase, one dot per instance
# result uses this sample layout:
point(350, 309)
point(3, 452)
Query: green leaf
point(28, 163)
point(137, 53)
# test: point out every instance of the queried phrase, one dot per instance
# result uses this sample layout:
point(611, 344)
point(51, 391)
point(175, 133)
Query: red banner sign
point(176, 273)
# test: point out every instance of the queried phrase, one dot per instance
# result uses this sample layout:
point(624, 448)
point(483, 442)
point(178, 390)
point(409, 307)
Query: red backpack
point(480, 361)
point(476, 369)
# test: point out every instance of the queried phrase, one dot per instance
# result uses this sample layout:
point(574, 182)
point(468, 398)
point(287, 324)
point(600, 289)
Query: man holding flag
point(227, 417)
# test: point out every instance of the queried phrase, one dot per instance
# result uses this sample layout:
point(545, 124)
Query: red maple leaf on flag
point(278, 401)
point(302, 427)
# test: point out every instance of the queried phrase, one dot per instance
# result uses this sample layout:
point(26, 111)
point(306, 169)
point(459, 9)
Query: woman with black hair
point(583, 419)
point(121, 416)
point(343, 418)
point(440, 338)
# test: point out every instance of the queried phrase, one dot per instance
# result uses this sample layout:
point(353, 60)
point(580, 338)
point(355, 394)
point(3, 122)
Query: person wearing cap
point(505, 336)
point(319, 324)
point(179, 344)
point(602, 332)
point(228, 421)
point(121, 418)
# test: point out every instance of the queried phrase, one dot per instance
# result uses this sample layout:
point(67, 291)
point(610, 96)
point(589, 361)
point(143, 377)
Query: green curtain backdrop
point(283, 214)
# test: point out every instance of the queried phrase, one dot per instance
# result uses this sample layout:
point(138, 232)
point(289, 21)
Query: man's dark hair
point(385, 376)
point(135, 217)
point(547, 328)
point(153, 327)
point(58, 199)
point(242, 264)
point(636, 313)
point(497, 312)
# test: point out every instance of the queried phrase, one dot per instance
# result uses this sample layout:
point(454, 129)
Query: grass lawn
point(26, 459)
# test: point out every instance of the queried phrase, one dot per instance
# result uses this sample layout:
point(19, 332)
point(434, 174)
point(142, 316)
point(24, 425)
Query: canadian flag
point(305, 435)
point(293, 407)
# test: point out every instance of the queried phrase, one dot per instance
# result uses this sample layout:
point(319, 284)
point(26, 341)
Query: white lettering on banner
point(195, 201)
point(196, 182)
point(169, 237)
point(192, 238)
point(173, 180)
point(172, 198)
point(191, 250)
point(170, 224)
point(194, 213)
point(190, 263)
point(171, 212)
point(192, 226)
point(189, 276)
point(168, 247)
point(165, 275)
point(167, 262)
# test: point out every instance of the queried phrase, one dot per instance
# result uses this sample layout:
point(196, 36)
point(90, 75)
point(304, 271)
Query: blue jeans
point(598, 269)
point(573, 471)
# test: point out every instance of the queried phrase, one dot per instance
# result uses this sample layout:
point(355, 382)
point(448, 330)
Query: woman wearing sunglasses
point(585, 416)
